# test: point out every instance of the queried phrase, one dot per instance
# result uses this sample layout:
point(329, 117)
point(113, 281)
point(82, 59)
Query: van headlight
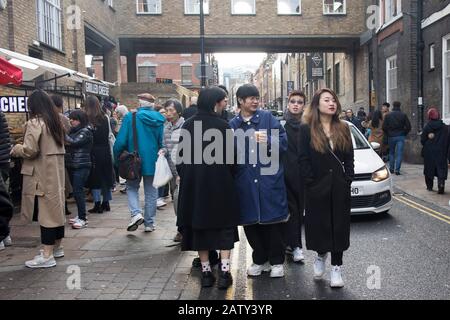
point(380, 175)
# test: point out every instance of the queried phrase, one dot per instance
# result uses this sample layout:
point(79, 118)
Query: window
point(148, 6)
point(391, 79)
point(329, 78)
point(334, 7)
point(147, 74)
point(337, 80)
point(289, 6)
point(446, 76)
point(193, 6)
point(186, 75)
point(392, 9)
point(49, 23)
point(432, 64)
point(243, 7)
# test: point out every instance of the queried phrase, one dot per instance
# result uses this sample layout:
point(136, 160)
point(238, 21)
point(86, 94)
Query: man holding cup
point(260, 141)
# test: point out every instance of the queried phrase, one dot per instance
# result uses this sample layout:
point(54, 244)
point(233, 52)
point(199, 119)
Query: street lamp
point(202, 45)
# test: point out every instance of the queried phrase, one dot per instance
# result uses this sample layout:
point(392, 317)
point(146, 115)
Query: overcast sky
point(231, 60)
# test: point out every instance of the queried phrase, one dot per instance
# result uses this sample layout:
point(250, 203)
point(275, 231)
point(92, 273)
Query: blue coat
point(262, 198)
point(150, 131)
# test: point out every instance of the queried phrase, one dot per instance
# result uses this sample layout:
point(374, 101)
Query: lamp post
point(202, 45)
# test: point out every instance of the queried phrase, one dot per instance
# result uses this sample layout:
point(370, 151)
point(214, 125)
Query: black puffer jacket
point(78, 150)
point(5, 143)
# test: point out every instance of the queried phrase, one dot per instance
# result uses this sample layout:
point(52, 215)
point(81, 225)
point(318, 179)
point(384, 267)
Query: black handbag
point(130, 162)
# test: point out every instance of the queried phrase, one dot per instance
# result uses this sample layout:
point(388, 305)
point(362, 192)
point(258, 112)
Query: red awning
point(10, 74)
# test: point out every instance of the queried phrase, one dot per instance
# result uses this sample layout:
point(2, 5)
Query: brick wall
point(173, 21)
point(4, 29)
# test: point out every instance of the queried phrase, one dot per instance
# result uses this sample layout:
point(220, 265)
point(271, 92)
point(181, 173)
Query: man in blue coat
point(261, 141)
point(150, 133)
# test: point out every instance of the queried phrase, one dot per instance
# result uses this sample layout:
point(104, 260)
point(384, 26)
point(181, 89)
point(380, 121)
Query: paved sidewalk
point(412, 182)
point(114, 263)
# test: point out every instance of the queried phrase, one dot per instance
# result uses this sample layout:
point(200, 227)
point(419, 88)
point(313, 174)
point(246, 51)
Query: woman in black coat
point(78, 162)
point(435, 140)
point(101, 180)
point(208, 213)
point(327, 165)
point(293, 179)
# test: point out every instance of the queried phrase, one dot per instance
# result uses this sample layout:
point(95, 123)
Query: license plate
point(357, 191)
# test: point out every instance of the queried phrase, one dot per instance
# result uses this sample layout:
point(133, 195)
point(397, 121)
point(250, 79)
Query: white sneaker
point(2, 246)
point(256, 269)
point(336, 277)
point(150, 229)
point(79, 224)
point(135, 222)
point(73, 220)
point(41, 262)
point(160, 203)
point(319, 266)
point(7, 241)
point(297, 255)
point(58, 253)
point(277, 271)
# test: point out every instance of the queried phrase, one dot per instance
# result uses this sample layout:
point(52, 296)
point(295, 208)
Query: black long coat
point(102, 173)
point(207, 197)
point(293, 179)
point(436, 150)
point(327, 195)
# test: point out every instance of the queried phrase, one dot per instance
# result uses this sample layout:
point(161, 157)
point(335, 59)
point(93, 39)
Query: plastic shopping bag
point(163, 174)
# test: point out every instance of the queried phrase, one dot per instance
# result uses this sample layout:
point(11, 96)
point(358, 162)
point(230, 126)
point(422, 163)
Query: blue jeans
point(396, 146)
point(151, 195)
point(78, 179)
point(98, 193)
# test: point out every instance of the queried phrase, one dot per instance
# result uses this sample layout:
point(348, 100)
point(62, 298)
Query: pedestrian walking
point(101, 179)
point(6, 213)
point(293, 178)
point(435, 140)
point(79, 144)
point(208, 212)
point(396, 126)
point(327, 165)
point(262, 197)
point(376, 132)
point(5, 162)
point(150, 132)
point(43, 176)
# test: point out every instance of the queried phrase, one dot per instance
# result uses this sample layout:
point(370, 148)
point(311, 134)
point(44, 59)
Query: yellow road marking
point(425, 208)
point(404, 201)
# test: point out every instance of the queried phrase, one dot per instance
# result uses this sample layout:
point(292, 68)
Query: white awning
point(33, 68)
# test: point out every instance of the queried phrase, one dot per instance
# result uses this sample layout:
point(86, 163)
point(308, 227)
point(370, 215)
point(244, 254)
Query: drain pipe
point(420, 49)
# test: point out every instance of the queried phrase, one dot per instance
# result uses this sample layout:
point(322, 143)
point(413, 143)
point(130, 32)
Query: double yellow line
point(423, 209)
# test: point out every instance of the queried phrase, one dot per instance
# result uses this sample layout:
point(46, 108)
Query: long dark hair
point(40, 105)
point(209, 97)
point(376, 119)
point(339, 129)
point(93, 110)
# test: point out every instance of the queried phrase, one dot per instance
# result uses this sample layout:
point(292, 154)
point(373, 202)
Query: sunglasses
point(297, 101)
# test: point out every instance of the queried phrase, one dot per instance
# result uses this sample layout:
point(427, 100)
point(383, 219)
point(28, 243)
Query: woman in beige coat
point(43, 176)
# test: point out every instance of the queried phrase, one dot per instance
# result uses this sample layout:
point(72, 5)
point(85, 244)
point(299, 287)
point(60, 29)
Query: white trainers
point(336, 277)
point(79, 224)
point(7, 241)
point(41, 262)
point(58, 253)
point(319, 266)
point(160, 203)
point(150, 229)
point(297, 255)
point(135, 222)
point(2, 246)
point(277, 271)
point(256, 269)
point(73, 220)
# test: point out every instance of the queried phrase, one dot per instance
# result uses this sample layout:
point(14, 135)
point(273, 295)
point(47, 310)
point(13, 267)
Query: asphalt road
point(404, 254)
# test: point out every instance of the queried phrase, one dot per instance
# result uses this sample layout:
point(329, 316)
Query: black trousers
point(267, 243)
point(336, 258)
point(293, 228)
point(48, 235)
